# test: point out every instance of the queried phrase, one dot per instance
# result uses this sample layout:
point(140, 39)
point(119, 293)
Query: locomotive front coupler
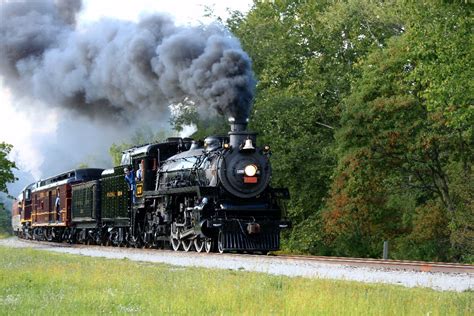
point(253, 228)
point(244, 226)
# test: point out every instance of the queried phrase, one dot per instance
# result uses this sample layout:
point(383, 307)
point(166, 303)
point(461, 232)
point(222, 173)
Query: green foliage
point(5, 220)
point(187, 115)
point(6, 167)
point(66, 284)
point(367, 107)
point(115, 151)
point(6, 176)
point(141, 136)
point(398, 138)
point(304, 54)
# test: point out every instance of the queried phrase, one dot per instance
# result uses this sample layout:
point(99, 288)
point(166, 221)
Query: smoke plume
point(117, 70)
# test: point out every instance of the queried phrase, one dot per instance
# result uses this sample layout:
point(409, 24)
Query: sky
point(35, 135)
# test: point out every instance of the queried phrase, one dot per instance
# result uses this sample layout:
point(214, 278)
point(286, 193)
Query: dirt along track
point(438, 276)
point(420, 266)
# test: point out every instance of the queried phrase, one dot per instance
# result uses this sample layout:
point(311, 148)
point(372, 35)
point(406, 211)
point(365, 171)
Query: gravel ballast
point(273, 265)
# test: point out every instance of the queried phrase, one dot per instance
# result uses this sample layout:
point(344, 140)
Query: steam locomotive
point(211, 196)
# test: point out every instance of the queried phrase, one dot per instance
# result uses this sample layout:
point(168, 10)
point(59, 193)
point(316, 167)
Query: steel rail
point(420, 266)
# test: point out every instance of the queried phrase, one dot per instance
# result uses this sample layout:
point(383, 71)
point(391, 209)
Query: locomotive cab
point(146, 160)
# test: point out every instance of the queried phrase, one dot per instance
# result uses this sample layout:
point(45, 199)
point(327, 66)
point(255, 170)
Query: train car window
point(126, 159)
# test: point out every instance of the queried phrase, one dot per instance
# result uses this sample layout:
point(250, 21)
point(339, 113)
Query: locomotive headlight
point(250, 170)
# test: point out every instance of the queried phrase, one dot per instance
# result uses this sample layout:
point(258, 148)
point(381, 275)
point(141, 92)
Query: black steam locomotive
point(210, 196)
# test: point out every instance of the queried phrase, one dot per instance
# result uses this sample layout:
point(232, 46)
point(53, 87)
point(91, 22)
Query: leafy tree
point(405, 134)
point(368, 109)
point(5, 220)
point(304, 53)
point(141, 136)
point(6, 176)
point(187, 115)
point(6, 167)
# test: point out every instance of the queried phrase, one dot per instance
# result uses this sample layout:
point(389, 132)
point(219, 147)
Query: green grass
point(4, 235)
point(44, 283)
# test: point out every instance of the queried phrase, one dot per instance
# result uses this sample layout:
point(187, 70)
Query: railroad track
point(420, 266)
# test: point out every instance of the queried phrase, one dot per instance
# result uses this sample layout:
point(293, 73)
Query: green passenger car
point(116, 198)
point(85, 208)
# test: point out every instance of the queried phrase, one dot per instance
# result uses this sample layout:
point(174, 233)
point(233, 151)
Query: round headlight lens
point(250, 170)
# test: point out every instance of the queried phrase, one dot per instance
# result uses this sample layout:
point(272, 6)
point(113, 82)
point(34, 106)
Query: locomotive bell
point(238, 135)
point(248, 145)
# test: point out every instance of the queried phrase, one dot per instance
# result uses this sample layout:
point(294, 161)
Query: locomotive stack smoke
point(121, 70)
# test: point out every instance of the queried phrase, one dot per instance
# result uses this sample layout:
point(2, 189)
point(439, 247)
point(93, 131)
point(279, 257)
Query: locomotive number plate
point(139, 190)
point(250, 179)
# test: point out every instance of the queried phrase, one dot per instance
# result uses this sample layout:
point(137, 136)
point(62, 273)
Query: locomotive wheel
point(208, 245)
point(174, 237)
point(145, 244)
point(199, 244)
point(175, 243)
point(98, 239)
point(187, 244)
point(48, 234)
point(135, 242)
point(220, 242)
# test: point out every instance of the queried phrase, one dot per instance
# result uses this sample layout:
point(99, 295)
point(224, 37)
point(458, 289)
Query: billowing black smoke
point(116, 69)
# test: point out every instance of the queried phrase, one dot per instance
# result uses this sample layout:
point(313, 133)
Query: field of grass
point(43, 283)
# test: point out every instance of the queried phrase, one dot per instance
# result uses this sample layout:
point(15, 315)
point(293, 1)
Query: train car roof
point(74, 175)
point(29, 186)
point(147, 148)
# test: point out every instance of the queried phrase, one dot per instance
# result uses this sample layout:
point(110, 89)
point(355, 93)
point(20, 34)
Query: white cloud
point(26, 131)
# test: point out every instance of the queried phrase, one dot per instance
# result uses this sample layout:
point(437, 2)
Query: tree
point(405, 143)
point(304, 53)
point(368, 110)
point(186, 114)
point(5, 219)
point(6, 176)
point(6, 167)
point(140, 137)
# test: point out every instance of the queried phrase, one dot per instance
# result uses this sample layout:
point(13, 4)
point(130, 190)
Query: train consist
point(214, 197)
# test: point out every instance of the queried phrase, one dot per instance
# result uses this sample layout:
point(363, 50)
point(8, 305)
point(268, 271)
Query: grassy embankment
point(49, 283)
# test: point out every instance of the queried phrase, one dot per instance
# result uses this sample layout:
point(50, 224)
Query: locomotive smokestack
point(238, 133)
point(238, 125)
